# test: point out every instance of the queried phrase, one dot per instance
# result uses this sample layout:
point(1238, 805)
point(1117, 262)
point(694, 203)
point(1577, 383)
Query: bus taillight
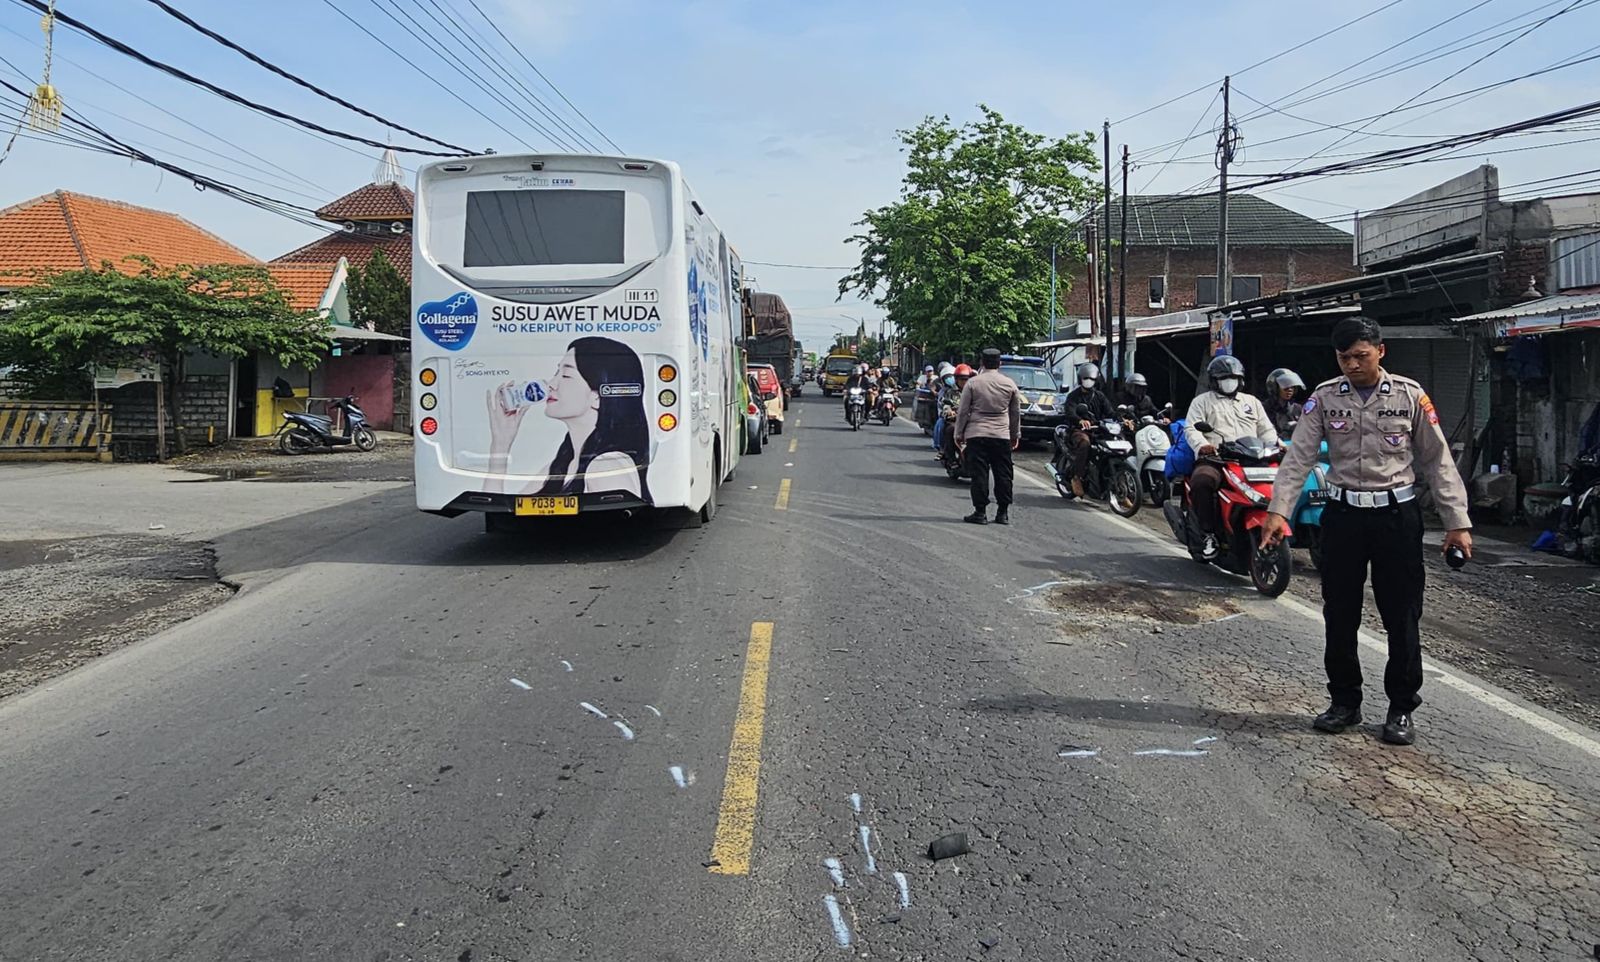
point(667, 374)
point(428, 376)
point(666, 422)
point(429, 426)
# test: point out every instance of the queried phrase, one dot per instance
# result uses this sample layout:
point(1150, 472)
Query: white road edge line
point(1483, 696)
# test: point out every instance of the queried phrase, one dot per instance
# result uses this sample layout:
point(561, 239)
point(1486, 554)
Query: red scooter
point(1249, 466)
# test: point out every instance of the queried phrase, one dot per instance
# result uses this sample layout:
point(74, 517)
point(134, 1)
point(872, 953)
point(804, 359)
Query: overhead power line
point(518, 51)
point(434, 80)
point(184, 18)
point(223, 92)
point(480, 45)
point(800, 267)
point(1451, 76)
point(1262, 63)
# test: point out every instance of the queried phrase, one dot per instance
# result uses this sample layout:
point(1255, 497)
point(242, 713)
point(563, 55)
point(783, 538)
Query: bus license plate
point(544, 507)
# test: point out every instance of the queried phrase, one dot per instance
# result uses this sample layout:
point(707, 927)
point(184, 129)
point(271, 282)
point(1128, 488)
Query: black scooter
point(302, 433)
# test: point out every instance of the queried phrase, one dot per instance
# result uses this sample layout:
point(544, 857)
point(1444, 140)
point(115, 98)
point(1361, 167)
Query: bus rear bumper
point(488, 503)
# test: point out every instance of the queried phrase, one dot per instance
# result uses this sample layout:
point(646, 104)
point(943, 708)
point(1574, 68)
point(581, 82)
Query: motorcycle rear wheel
point(1160, 490)
point(1269, 571)
point(295, 441)
point(1123, 491)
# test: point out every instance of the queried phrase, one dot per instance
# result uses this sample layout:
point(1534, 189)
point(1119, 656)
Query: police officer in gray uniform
point(1381, 430)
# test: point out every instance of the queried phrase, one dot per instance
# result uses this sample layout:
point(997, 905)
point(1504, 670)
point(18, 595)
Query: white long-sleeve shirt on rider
point(1230, 418)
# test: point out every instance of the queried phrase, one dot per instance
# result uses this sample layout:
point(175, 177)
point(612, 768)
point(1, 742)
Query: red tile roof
point(303, 284)
point(68, 231)
point(355, 248)
point(372, 202)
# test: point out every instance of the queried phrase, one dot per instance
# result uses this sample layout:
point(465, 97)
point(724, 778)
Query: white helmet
point(946, 368)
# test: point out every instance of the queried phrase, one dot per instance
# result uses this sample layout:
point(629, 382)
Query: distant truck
point(772, 338)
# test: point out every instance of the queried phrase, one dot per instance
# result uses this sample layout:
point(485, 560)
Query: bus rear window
point(517, 228)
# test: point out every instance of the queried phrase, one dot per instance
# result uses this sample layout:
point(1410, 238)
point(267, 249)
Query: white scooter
point(1149, 458)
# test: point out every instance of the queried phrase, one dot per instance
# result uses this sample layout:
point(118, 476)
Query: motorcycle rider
point(858, 378)
point(942, 381)
point(1136, 395)
point(1231, 414)
point(1284, 397)
point(949, 404)
point(1088, 394)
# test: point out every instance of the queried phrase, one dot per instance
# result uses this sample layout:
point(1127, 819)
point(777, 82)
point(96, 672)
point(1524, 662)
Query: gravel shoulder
point(1526, 622)
point(66, 602)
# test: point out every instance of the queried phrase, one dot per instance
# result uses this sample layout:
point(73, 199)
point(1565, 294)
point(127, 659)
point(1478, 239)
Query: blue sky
point(783, 114)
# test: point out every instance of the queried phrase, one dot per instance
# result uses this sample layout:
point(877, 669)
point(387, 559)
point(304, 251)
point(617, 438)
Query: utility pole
point(1106, 269)
point(1052, 292)
point(1225, 146)
point(1122, 279)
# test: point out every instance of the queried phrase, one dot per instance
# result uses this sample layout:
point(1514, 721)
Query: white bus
point(573, 339)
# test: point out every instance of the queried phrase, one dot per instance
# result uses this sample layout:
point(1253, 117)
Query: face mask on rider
point(949, 380)
point(1227, 385)
point(1086, 383)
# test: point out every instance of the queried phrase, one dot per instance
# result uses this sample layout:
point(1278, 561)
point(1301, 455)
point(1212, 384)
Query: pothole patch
point(1138, 602)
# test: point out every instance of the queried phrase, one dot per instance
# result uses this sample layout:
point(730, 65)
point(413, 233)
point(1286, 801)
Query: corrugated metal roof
point(1580, 301)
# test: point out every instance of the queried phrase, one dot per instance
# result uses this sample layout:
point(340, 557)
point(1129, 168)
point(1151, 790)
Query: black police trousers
point(985, 455)
point(1390, 541)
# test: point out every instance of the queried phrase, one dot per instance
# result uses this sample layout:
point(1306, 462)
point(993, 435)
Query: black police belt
point(1372, 499)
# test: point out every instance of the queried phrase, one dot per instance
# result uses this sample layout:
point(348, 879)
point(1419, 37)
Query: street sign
point(108, 378)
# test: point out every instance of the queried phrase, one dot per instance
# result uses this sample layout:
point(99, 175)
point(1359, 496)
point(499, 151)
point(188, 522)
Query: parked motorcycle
point(1149, 457)
point(888, 406)
point(1249, 466)
point(302, 433)
point(1307, 518)
point(856, 407)
point(1107, 475)
point(1578, 517)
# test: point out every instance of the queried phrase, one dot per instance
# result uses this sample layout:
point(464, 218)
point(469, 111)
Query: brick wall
point(205, 404)
point(1521, 262)
point(1279, 268)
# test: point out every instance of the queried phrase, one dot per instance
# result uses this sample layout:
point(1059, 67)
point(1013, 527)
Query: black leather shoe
point(1337, 718)
point(976, 517)
point(1003, 516)
point(1397, 728)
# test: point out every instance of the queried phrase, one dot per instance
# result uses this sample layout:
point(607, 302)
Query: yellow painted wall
point(269, 409)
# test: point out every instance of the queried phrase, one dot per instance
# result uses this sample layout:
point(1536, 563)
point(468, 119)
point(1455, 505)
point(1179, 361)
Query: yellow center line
point(783, 496)
point(793, 443)
point(736, 819)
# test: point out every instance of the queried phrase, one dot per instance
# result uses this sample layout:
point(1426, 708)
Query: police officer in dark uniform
point(1381, 430)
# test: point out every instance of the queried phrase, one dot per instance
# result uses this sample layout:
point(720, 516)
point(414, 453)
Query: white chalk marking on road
point(567, 665)
point(627, 733)
point(1030, 592)
point(1549, 726)
point(1078, 753)
point(1204, 741)
point(1174, 752)
point(855, 801)
point(678, 777)
point(905, 889)
point(522, 684)
point(835, 871)
point(653, 710)
point(841, 931)
point(866, 848)
point(590, 708)
point(1218, 621)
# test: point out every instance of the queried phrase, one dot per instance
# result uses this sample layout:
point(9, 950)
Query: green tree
point(962, 259)
point(67, 323)
point(380, 296)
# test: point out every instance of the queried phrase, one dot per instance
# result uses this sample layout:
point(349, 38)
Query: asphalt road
point(390, 745)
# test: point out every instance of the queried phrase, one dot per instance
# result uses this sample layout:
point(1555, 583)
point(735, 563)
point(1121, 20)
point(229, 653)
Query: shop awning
point(343, 332)
point(1555, 314)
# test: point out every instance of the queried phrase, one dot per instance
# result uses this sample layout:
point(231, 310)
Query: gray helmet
point(1088, 371)
point(1136, 380)
point(1284, 378)
point(1225, 365)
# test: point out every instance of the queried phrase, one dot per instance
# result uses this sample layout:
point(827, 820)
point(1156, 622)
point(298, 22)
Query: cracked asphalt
point(389, 746)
